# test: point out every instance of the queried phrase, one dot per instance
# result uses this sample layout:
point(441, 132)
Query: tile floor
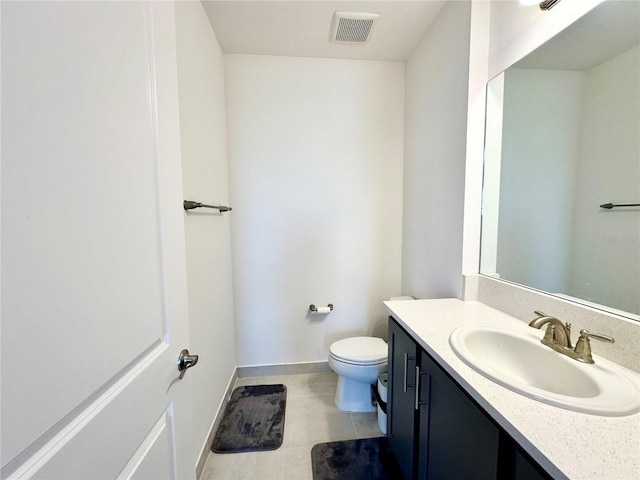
point(311, 417)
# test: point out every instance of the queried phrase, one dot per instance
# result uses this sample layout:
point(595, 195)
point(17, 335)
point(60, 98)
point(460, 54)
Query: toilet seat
point(360, 351)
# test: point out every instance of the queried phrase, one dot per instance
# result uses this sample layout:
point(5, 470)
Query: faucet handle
point(598, 336)
point(583, 346)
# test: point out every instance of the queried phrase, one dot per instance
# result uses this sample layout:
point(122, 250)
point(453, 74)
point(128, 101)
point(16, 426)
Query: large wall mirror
point(562, 139)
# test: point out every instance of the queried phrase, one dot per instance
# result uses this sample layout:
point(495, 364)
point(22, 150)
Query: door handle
point(186, 361)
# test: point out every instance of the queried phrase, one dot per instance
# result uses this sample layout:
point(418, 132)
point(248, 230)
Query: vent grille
point(352, 27)
point(353, 30)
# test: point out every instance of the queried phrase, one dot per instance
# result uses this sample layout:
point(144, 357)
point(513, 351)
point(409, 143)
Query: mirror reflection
point(562, 139)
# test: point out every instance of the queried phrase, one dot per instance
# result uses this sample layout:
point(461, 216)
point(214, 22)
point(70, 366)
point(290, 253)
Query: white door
point(94, 310)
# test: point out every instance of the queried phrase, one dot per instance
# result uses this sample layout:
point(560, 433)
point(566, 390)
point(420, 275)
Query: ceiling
point(300, 28)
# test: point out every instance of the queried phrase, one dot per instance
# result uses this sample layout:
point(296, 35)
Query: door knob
point(186, 361)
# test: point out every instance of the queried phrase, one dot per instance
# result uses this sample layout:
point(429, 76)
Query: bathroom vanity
point(446, 420)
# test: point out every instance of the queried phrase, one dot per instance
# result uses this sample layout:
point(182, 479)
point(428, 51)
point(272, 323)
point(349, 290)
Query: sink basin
point(517, 360)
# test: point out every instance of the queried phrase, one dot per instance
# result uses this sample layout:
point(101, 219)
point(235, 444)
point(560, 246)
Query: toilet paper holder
point(313, 308)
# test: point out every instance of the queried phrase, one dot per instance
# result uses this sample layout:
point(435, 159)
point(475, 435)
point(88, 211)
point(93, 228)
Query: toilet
point(358, 361)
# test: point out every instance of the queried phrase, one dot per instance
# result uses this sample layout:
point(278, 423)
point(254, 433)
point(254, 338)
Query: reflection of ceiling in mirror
point(618, 27)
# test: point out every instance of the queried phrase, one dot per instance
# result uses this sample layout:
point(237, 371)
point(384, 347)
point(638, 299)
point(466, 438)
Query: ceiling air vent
point(351, 27)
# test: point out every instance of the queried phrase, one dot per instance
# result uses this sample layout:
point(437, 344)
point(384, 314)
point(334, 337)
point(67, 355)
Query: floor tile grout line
point(355, 432)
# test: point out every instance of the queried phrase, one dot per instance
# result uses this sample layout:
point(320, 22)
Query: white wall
point(207, 233)
point(316, 148)
point(478, 74)
point(605, 266)
point(435, 133)
point(537, 177)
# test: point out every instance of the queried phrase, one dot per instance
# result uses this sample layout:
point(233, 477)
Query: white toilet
point(358, 361)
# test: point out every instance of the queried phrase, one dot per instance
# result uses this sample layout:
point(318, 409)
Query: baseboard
point(283, 369)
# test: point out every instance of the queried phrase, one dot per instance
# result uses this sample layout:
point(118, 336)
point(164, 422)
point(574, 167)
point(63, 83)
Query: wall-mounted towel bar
point(190, 205)
point(609, 206)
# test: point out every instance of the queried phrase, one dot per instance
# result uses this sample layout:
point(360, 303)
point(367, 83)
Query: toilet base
point(352, 396)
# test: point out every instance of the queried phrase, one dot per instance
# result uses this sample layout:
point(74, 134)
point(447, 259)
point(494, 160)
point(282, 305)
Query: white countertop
point(567, 444)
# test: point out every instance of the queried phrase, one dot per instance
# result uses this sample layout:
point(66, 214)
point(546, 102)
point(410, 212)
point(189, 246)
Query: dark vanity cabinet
point(436, 430)
point(401, 416)
point(460, 441)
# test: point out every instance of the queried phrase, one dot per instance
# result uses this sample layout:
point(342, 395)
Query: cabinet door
point(526, 468)
point(456, 439)
point(402, 419)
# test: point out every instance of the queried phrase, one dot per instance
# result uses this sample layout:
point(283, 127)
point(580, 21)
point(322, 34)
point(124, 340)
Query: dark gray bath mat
point(366, 459)
point(253, 420)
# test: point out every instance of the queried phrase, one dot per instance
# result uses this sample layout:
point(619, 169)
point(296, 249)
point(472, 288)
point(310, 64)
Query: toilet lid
point(363, 350)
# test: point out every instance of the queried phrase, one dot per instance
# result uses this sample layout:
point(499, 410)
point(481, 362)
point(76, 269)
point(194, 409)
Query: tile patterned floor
point(311, 417)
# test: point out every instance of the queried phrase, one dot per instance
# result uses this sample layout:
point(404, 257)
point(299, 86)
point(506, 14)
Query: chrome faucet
point(558, 337)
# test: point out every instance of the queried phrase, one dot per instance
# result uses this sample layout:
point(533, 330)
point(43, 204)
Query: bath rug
point(253, 420)
point(365, 459)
